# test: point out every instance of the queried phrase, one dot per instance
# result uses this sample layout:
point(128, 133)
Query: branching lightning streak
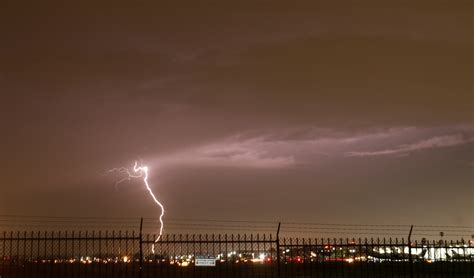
point(142, 172)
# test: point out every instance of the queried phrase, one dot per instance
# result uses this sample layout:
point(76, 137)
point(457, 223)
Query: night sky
point(348, 112)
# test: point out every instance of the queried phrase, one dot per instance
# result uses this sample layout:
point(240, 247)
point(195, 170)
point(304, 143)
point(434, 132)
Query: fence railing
point(129, 254)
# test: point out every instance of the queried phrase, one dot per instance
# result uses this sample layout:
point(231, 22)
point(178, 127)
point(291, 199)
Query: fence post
point(278, 249)
point(410, 258)
point(140, 271)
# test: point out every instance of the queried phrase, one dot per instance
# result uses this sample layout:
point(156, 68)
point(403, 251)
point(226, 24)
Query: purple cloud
point(281, 148)
point(434, 142)
point(292, 147)
point(233, 152)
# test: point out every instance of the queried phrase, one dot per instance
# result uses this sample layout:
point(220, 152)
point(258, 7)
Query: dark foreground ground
point(333, 270)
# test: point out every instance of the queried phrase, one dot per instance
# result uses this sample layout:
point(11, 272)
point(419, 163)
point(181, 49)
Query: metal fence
point(129, 254)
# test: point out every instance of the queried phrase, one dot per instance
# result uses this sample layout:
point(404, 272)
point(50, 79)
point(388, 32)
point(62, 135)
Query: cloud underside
point(406, 149)
point(281, 149)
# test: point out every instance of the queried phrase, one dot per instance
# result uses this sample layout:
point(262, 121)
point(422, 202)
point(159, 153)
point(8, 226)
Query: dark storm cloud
point(301, 63)
point(352, 99)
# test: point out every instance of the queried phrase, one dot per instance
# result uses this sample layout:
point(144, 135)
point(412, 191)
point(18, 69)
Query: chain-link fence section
point(130, 254)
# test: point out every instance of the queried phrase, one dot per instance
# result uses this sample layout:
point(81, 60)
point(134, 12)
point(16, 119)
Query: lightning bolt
point(142, 172)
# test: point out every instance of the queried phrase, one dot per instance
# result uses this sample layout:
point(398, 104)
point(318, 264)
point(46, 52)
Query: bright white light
point(184, 264)
point(142, 172)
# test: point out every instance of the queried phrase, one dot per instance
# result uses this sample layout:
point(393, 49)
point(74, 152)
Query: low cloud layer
point(287, 148)
point(430, 143)
point(233, 152)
